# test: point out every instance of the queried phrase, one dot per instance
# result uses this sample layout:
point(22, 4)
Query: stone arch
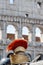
point(38, 34)
point(11, 32)
point(28, 34)
point(14, 24)
point(27, 25)
point(11, 29)
point(41, 29)
point(25, 32)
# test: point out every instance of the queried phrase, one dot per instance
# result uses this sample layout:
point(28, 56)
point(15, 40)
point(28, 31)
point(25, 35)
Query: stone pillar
point(33, 34)
point(20, 29)
point(4, 36)
point(4, 32)
point(33, 38)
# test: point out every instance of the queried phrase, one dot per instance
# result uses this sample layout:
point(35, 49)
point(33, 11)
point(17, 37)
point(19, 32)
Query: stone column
point(33, 34)
point(33, 38)
point(4, 36)
point(20, 29)
point(4, 29)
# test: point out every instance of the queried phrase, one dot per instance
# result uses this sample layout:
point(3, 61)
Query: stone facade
point(21, 13)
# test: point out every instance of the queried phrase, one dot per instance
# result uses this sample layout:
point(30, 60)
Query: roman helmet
point(16, 51)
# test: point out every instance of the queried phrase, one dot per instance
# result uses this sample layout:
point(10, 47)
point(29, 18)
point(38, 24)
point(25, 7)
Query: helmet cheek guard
point(10, 53)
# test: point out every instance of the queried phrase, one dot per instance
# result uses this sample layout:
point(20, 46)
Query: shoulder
point(5, 61)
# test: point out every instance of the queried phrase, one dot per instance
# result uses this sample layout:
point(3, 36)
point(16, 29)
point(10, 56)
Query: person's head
point(16, 51)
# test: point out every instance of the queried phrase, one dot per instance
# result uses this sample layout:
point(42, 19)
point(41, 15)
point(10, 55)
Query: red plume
point(16, 43)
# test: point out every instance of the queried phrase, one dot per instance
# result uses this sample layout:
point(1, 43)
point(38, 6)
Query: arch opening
point(38, 35)
point(11, 32)
point(26, 33)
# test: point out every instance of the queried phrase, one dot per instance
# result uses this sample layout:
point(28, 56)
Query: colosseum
point(22, 19)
